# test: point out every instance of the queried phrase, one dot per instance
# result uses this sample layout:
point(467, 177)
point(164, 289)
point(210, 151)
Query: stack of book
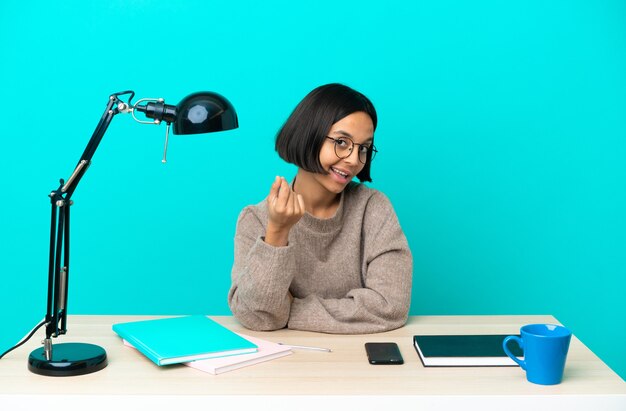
point(197, 341)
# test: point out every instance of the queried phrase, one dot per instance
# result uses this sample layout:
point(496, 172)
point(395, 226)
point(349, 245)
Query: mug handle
point(519, 342)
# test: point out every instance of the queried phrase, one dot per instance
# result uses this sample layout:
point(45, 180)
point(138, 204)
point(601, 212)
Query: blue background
point(502, 141)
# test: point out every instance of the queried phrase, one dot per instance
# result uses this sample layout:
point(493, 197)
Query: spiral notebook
point(267, 351)
point(181, 339)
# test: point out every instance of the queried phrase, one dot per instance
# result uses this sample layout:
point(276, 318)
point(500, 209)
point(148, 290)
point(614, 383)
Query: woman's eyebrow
point(343, 133)
point(346, 134)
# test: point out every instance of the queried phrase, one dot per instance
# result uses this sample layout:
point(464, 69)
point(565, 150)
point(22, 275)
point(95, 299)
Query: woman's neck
point(318, 201)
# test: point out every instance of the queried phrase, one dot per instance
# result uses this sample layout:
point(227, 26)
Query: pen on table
point(306, 347)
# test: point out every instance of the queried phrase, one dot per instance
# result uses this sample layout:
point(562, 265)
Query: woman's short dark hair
point(300, 139)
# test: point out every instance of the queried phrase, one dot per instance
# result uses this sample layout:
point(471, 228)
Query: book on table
point(182, 339)
point(267, 351)
point(464, 350)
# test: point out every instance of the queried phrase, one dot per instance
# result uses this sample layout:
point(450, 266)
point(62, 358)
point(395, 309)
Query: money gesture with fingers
point(285, 208)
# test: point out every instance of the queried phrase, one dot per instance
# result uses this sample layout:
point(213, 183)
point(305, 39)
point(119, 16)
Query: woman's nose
point(353, 157)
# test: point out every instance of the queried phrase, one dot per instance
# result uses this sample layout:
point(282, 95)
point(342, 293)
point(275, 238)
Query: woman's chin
point(336, 187)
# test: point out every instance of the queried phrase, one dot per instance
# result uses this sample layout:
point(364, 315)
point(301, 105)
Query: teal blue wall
point(502, 141)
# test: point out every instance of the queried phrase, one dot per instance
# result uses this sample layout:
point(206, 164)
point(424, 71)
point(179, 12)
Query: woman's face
point(357, 127)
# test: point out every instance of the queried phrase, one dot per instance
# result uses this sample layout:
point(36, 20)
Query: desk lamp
point(202, 112)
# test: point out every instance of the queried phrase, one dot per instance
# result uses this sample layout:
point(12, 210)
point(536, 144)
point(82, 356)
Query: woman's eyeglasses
point(345, 145)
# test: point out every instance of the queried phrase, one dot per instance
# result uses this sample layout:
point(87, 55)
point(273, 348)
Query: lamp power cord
point(24, 340)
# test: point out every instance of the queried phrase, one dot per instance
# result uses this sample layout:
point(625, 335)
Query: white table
point(310, 379)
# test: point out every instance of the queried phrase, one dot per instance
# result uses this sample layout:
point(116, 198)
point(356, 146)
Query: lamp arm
point(58, 274)
point(114, 106)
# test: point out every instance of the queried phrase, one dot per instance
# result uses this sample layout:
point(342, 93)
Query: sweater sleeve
point(383, 302)
point(259, 295)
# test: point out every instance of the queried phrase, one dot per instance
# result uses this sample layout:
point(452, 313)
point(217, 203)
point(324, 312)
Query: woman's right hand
point(285, 208)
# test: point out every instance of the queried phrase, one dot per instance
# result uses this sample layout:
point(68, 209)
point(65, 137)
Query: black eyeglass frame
point(371, 150)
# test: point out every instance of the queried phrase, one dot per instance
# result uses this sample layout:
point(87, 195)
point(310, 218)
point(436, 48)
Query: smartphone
point(383, 353)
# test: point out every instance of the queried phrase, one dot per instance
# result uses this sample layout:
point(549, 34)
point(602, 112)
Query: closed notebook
point(267, 351)
point(182, 339)
point(464, 350)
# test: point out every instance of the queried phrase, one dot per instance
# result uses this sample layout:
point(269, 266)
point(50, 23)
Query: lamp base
point(68, 359)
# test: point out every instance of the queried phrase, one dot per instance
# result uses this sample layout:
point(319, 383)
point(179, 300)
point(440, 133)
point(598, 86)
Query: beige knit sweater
point(348, 274)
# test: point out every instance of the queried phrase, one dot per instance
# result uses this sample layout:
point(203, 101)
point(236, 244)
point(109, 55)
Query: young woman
point(323, 254)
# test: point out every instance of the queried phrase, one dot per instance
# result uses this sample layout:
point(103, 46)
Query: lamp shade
point(204, 112)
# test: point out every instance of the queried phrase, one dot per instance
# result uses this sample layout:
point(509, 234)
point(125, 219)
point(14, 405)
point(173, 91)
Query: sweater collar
point(325, 225)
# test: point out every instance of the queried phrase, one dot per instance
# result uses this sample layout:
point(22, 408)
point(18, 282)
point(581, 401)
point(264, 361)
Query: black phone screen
point(383, 353)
